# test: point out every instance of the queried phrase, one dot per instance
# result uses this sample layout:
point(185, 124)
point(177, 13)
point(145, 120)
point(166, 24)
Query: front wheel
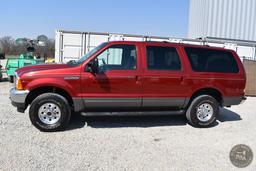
point(203, 111)
point(50, 112)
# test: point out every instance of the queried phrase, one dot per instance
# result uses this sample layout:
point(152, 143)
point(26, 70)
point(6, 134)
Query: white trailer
point(72, 45)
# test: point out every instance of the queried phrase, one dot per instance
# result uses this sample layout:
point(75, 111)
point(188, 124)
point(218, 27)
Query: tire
point(11, 79)
point(203, 111)
point(54, 113)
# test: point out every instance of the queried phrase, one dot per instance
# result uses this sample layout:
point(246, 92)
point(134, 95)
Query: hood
point(40, 67)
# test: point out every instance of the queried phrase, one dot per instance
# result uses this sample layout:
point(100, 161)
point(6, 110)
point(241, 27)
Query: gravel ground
point(124, 143)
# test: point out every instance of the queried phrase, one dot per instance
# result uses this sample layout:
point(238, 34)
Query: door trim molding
point(103, 103)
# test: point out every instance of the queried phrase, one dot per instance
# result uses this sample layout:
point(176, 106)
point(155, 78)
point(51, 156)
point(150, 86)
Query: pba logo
point(241, 156)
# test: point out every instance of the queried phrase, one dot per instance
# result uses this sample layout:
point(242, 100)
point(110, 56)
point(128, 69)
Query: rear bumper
point(18, 98)
point(229, 101)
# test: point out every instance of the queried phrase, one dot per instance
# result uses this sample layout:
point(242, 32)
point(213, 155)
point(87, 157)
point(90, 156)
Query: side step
point(134, 113)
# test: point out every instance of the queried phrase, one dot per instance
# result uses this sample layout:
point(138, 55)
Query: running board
point(134, 113)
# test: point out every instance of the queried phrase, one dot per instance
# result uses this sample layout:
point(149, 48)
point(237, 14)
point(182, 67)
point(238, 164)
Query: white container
point(72, 45)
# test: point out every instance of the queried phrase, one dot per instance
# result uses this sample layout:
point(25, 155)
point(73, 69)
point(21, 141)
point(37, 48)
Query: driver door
point(117, 83)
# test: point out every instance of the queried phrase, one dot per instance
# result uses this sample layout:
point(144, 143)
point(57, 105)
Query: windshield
point(90, 53)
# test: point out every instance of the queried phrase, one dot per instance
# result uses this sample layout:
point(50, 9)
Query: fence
point(250, 69)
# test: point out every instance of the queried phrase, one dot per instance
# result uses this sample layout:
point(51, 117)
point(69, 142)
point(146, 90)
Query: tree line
point(9, 47)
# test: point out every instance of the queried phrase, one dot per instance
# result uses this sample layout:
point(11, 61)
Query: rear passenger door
point(163, 72)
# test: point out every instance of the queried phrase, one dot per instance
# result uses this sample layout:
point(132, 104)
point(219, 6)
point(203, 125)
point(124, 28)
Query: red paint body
point(134, 83)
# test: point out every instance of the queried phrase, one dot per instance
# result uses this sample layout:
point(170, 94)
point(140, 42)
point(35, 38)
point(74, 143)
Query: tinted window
point(206, 60)
point(118, 57)
point(162, 58)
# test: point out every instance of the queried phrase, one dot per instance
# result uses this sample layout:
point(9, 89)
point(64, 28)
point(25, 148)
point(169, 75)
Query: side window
point(162, 58)
point(207, 60)
point(118, 57)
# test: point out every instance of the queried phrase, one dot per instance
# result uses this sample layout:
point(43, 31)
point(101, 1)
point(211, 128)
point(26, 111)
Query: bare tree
point(17, 49)
point(7, 44)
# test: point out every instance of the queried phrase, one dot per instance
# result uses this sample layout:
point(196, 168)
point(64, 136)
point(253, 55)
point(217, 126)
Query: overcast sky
point(29, 18)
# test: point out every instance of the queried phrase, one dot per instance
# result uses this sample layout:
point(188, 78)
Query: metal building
point(232, 19)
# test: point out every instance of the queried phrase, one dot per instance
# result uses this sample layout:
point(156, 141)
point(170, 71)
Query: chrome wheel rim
point(204, 112)
point(49, 113)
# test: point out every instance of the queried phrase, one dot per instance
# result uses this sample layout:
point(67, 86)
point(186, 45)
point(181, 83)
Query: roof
point(169, 43)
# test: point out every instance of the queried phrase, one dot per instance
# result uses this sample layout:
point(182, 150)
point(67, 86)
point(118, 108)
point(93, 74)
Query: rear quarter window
point(163, 58)
point(208, 60)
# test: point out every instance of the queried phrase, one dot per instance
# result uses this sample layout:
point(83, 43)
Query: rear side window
point(207, 60)
point(162, 58)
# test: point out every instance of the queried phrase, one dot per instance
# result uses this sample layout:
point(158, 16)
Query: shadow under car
point(78, 121)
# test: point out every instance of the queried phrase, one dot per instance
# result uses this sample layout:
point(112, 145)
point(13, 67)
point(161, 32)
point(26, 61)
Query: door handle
point(131, 77)
point(138, 79)
point(181, 78)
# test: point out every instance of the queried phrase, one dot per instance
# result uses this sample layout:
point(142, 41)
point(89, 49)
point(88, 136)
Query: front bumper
point(18, 98)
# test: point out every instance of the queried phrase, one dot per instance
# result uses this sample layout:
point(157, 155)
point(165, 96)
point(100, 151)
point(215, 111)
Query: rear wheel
point(203, 111)
point(50, 112)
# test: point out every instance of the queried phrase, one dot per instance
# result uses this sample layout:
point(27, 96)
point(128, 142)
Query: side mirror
point(92, 67)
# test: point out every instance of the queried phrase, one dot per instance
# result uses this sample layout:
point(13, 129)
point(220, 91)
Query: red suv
point(132, 78)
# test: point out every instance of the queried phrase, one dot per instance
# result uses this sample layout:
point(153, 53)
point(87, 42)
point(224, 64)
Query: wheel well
point(207, 91)
point(49, 89)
